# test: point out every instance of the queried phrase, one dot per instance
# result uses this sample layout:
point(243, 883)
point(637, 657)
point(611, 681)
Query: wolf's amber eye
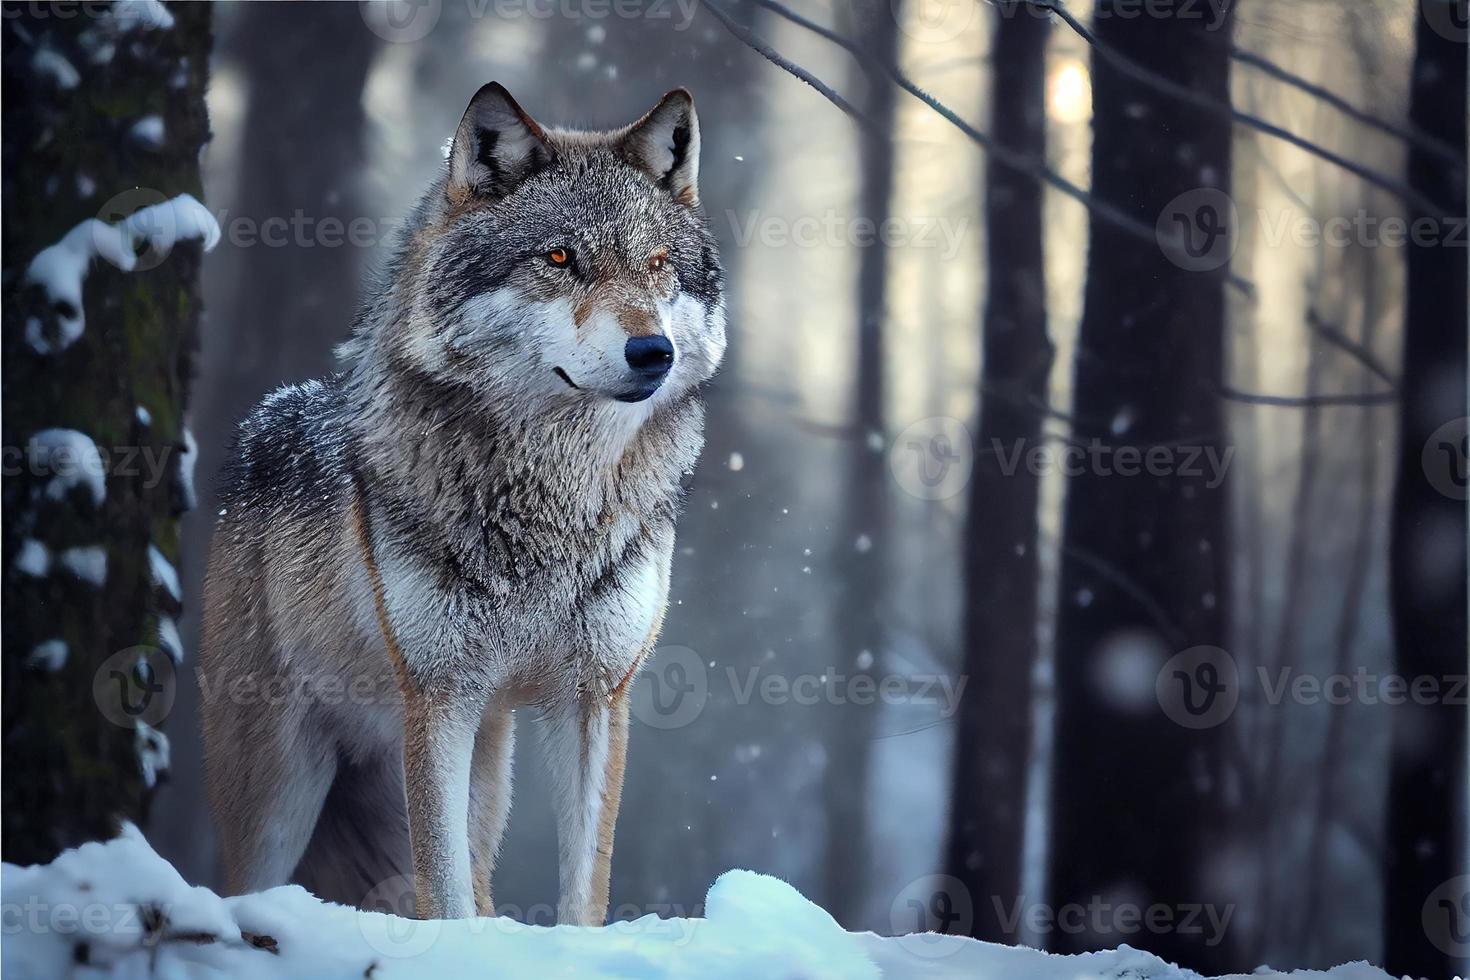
point(658, 260)
point(558, 256)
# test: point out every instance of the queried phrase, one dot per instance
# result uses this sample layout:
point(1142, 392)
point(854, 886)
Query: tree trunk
point(992, 746)
point(1138, 798)
point(1426, 830)
point(861, 542)
point(303, 160)
point(101, 117)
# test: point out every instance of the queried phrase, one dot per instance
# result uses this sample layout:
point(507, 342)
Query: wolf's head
point(551, 266)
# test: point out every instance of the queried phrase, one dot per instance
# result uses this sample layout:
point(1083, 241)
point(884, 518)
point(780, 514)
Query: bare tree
point(1426, 830)
point(987, 810)
point(862, 542)
point(104, 120)
point(1138, 800)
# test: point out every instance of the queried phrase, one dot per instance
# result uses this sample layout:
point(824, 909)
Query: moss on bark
point(70, 154)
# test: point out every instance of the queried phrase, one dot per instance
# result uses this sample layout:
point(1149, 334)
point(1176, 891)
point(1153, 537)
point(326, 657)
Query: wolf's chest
point(581, 622)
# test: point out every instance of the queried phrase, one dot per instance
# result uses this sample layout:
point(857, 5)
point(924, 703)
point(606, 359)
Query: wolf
point(476, 514)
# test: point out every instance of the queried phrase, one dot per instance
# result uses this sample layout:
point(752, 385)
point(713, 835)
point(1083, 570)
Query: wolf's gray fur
point(476, 514)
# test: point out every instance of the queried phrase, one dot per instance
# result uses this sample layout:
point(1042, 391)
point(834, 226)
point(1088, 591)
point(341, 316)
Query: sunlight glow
point(1069, 92)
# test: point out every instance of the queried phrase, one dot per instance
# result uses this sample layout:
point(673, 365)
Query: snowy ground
point(118, 909)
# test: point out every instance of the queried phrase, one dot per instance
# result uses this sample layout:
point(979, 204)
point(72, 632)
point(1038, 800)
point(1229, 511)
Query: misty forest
point(1077, 555)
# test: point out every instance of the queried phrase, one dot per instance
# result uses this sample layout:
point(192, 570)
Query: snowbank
point(122, 910)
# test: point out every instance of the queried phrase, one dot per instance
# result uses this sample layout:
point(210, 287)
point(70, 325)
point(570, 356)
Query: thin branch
point(1343, 342)
point(1126, 584)
point(1367, 399)
point(1424, 141)
point(1162, 83)
point(1020, 163)
point(1318, 325)
point(1026, 166)
point(1016, 162)
point(753, 41)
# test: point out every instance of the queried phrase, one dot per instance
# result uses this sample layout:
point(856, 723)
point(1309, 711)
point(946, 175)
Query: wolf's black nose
point(650, 356)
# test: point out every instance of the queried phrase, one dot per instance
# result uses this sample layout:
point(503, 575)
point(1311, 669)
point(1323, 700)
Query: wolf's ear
point(665, 145)
point(496, 146)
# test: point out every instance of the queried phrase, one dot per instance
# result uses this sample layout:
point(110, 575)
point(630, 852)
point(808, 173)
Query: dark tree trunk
point(1138, 799)
point(1427, 895)
point(992, 747)
point(303, 157)
point(116, 125)
point(862, 541)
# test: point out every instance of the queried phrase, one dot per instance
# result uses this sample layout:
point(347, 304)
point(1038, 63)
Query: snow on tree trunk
point(987, 816)
point(104, 119)
point(1428, 892)
point(1144, 558)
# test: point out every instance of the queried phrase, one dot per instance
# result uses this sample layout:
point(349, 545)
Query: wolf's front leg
point(438, 744)
point(585, 742)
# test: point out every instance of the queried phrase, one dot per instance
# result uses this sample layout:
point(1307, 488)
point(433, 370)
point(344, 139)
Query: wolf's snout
point(651, 356)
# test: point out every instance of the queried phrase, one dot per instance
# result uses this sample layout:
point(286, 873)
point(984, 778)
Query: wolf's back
point(291, 452)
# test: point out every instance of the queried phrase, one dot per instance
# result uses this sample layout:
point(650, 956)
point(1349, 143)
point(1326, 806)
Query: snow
point(149, 15)
point(60, 269)
point(48, 655)
point(153, 753)
point(169, 639)
point(68, 330)
point(144, 417)
point(72, 459)
point(88, 564)
point(51, 65)
point(1123, 420)
point(180, 78)
point(187, 459)
point(148, 132)
point(164, 573)
point(123, 910)
point(34, 559)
